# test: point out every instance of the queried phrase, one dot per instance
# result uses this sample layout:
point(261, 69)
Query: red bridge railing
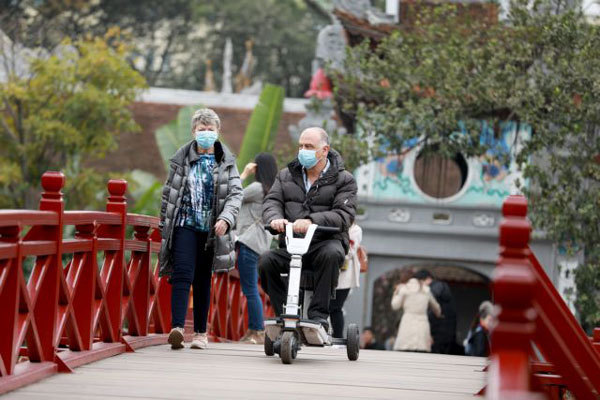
point(537, 344)
point(92, 295)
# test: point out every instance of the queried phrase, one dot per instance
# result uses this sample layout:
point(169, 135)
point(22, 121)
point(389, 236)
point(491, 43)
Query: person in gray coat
point(253, 240)
point(200, 203)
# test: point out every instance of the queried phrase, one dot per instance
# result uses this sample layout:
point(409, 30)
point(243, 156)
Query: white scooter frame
point(285, 334)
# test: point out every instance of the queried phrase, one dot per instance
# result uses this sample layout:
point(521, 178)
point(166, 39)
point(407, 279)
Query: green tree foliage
point(440, 77)
point(173, 39)
point(284, 35)
point(60, 110)
point(175, 134)
point(159, 29)
point(262, 127)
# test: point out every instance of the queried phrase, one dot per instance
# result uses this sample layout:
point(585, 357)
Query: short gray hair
point(322, 133)
point(486, 308)
point(206, 116)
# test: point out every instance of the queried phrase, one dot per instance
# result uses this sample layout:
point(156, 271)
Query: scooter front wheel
point(352, 346)
point(269, 350)
point(289, 347)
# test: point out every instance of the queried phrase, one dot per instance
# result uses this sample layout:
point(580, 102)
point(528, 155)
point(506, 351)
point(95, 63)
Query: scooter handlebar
point(321, 229)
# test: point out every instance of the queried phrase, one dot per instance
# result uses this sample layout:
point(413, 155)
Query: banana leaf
point(264, 122)
point(175, 134)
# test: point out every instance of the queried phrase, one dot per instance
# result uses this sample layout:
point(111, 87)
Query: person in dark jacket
point(313, 189)
point(200, 203)
point(477, 342)
point(443, 330)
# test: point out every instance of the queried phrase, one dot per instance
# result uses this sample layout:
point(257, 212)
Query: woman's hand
point(221, 227)
point(249, 169)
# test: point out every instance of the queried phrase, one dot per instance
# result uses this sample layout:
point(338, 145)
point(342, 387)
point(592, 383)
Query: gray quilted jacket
point(228, 195)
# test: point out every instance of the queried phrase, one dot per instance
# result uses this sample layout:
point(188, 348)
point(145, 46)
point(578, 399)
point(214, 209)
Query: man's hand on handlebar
point(278, 225)
point(301, 225)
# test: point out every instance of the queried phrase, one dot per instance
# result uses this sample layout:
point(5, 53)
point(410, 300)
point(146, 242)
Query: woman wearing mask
point(200, 203)
point(414, 297)
point(253, 240)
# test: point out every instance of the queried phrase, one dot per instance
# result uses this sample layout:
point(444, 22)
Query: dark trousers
point(336, 312)
point(323, 258)
point(192, 265)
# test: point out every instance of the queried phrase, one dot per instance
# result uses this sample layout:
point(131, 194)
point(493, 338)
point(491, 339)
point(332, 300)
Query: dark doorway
point(468, 288)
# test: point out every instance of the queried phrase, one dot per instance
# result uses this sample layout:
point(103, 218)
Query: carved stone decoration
point(227, 61)
point(401, 215)
point(331, 47)
point(378, 17)
point(483, 220)
point(318, 113)
point(244, 78)
point(255, 88)
point(356, 8)
point(209, 78)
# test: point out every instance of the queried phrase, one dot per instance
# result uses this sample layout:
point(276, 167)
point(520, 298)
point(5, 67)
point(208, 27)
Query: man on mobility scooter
point(314, 189)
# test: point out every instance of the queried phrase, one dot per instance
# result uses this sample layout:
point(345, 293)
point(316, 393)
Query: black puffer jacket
point(331, 200)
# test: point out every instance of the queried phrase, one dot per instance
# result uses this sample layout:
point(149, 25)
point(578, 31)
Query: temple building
point(426, 211)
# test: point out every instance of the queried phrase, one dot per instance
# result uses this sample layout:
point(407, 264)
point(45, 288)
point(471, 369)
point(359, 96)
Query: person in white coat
point(414, 297)
point(349, 278)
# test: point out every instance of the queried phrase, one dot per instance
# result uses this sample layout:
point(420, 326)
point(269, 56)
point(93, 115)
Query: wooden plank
point(230, 370)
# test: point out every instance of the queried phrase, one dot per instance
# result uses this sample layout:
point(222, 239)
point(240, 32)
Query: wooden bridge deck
point(236, 371)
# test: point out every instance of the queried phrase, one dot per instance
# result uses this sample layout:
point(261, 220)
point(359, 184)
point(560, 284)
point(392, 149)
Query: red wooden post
point(161, 306)
point(513, 286)
point(46, 305)
point(82, 274)
point(113, 274)
point(139, 276)
point(10, 270)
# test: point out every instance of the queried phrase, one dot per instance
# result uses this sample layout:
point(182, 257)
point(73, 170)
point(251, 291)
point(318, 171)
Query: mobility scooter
point(285, 334)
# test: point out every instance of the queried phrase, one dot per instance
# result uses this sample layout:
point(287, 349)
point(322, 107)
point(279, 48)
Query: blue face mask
point(206, 139)
point(308, 158)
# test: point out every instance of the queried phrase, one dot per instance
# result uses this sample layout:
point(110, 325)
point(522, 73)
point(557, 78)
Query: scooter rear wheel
point(289, 347)
point(269, 350)
point(352, 346)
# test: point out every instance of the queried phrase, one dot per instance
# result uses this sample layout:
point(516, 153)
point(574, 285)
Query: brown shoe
point(259, 337)
point(248, 337)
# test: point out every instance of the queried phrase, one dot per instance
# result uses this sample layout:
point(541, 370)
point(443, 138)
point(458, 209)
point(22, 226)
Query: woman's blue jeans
point(247, 263)
point(192, 265)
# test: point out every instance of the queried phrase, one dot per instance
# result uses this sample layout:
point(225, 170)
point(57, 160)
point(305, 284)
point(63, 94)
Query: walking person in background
point(443, 330)
point(200, 203)
point(414, 297)
point(253, 240)
point(349, 278)
point(477, 342)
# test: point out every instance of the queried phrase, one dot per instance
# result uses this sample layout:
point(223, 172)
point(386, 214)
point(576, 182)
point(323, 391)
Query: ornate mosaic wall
point(487, 181)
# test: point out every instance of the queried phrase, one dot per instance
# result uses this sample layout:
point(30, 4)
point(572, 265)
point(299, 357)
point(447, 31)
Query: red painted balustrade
point(92, 295)
point(539, 350)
